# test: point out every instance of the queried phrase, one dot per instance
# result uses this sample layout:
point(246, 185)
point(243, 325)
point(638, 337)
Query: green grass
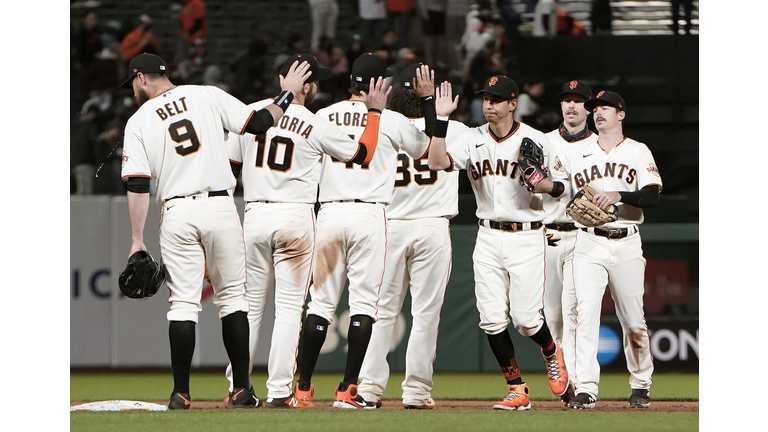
point(213, 387)
point(205, 386)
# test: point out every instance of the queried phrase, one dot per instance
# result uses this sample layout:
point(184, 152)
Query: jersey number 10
point(274, 144)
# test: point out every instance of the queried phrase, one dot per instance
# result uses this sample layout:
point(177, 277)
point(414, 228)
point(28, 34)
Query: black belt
point(617, 233)
point(210, 194)
point(563, 227)
point(263, 202)
point(510, 226)
point(349, 201)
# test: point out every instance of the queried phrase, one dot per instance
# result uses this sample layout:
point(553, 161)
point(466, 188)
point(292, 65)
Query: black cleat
point(640, 398)
point(179, 401)
point(582, 401)
point(242, 398)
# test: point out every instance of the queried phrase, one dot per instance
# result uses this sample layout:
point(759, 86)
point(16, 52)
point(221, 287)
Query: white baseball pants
point(619, 264)
point(509, 279)
point(194, 232)
point(350, 244)
point(559, 295)
point(418, 257)
point(279, 241)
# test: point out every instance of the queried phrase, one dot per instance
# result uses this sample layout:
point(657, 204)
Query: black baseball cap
point(319, 73)
point(368, 66)
point(144, 63)
point(502, 86)
point(409, 74)
point(575, 87)
point(608, 97)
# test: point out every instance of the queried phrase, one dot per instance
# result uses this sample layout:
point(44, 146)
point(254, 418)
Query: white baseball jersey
point(418, 259)
point(169, 135)
point(283, 165)
point(420, 192)
point(628, 167)
point(492, 169)
point(555, 207)
point(370, 182)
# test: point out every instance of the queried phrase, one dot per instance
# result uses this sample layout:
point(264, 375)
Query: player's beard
point(141, 96)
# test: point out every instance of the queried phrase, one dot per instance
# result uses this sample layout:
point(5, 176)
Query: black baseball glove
point(142, 276)
point(530, 162)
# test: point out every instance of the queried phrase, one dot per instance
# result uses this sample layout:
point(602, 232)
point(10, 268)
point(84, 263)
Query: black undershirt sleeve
point(430, 116)
point(260, 122)
point(644, 198)
point(138, 184)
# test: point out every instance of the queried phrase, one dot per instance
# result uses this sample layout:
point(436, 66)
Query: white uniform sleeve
point(411, 139)
point(555, 166)
point(234, 148)
point(135, 161)
point(333, 141)
point(234, 113)
point(647, 172)
point(458, 150)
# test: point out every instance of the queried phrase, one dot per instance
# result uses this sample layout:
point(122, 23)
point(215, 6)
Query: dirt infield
point(603, 406)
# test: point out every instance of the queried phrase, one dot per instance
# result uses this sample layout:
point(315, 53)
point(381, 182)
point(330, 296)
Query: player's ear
point(622, 114)
point(512, 105)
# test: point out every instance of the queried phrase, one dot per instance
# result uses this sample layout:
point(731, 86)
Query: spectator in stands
point(687, 14)
point(486, 37)
point(511, 20)
point(568, 26)
point(332, 56)
point(487, 62)
point(82, 156)
point(294, 45)
point(433, 15)
point(109, 153)
point(193, 25)
point(354, 48)
point(545, 19)
point(140, 40)
point(399, 17)
point(324, 14)
point(250, 71)
point(388, 46)
point(215, 76)
point(372, 15)
point(527, 110)
point(478, 12)
point(87, 40)
point(602, 17)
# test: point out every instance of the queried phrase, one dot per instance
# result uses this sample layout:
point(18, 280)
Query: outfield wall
point(109, 330)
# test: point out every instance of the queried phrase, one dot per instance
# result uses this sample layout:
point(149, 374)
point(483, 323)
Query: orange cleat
point(517, 399)
point(556, 373)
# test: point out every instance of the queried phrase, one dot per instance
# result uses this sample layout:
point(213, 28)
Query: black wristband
point(284, 99)
point(441, 128)
point(557, 189)
point(374, 110)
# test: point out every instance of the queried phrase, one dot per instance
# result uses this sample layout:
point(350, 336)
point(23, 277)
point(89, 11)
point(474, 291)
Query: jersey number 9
point(188, 134)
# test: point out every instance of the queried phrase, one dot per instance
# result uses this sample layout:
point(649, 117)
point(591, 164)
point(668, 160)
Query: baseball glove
point(584, 211)
point(530, 161)
point(142, 276)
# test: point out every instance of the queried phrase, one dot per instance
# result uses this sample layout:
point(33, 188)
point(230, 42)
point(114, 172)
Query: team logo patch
point(492, 81)
point(558, 165)
point(124, 158)
point(134, 71)
point(653, 170)
point(601, 94)
point(573, 84)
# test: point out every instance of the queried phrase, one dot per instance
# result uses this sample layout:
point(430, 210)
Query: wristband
point(441, 128)
point(557, 189)
point(443, 118)
point(375, 110)
point(284, 99)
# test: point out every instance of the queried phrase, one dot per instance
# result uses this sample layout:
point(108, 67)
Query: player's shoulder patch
point(124, 158)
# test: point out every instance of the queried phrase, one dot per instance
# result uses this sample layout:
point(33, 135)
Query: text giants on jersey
point(589, 175)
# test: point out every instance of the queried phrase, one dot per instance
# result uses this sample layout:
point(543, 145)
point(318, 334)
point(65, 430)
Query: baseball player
point(352, 232)
point(624, 173)
point(510, 249)
point(176, 137)
point(281, 170)
point(559, 297)
point(418, 258)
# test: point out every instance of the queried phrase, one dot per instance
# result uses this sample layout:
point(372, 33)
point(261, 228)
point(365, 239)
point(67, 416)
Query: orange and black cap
point(501, 86)
point(144, 63)
point(606, 97)
point(576, 87)
point(368, 66)
point(319, 73)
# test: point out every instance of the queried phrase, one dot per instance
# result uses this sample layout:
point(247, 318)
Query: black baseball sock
point(312, 339)
point(182, 338)
point(544, 338)
point(504, 351)
point(235, 332)
point(360, 328)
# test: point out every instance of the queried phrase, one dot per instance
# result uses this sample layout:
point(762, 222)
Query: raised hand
point(294, 80)
point(376, 97)
point(424, 83)
point(445, 103)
